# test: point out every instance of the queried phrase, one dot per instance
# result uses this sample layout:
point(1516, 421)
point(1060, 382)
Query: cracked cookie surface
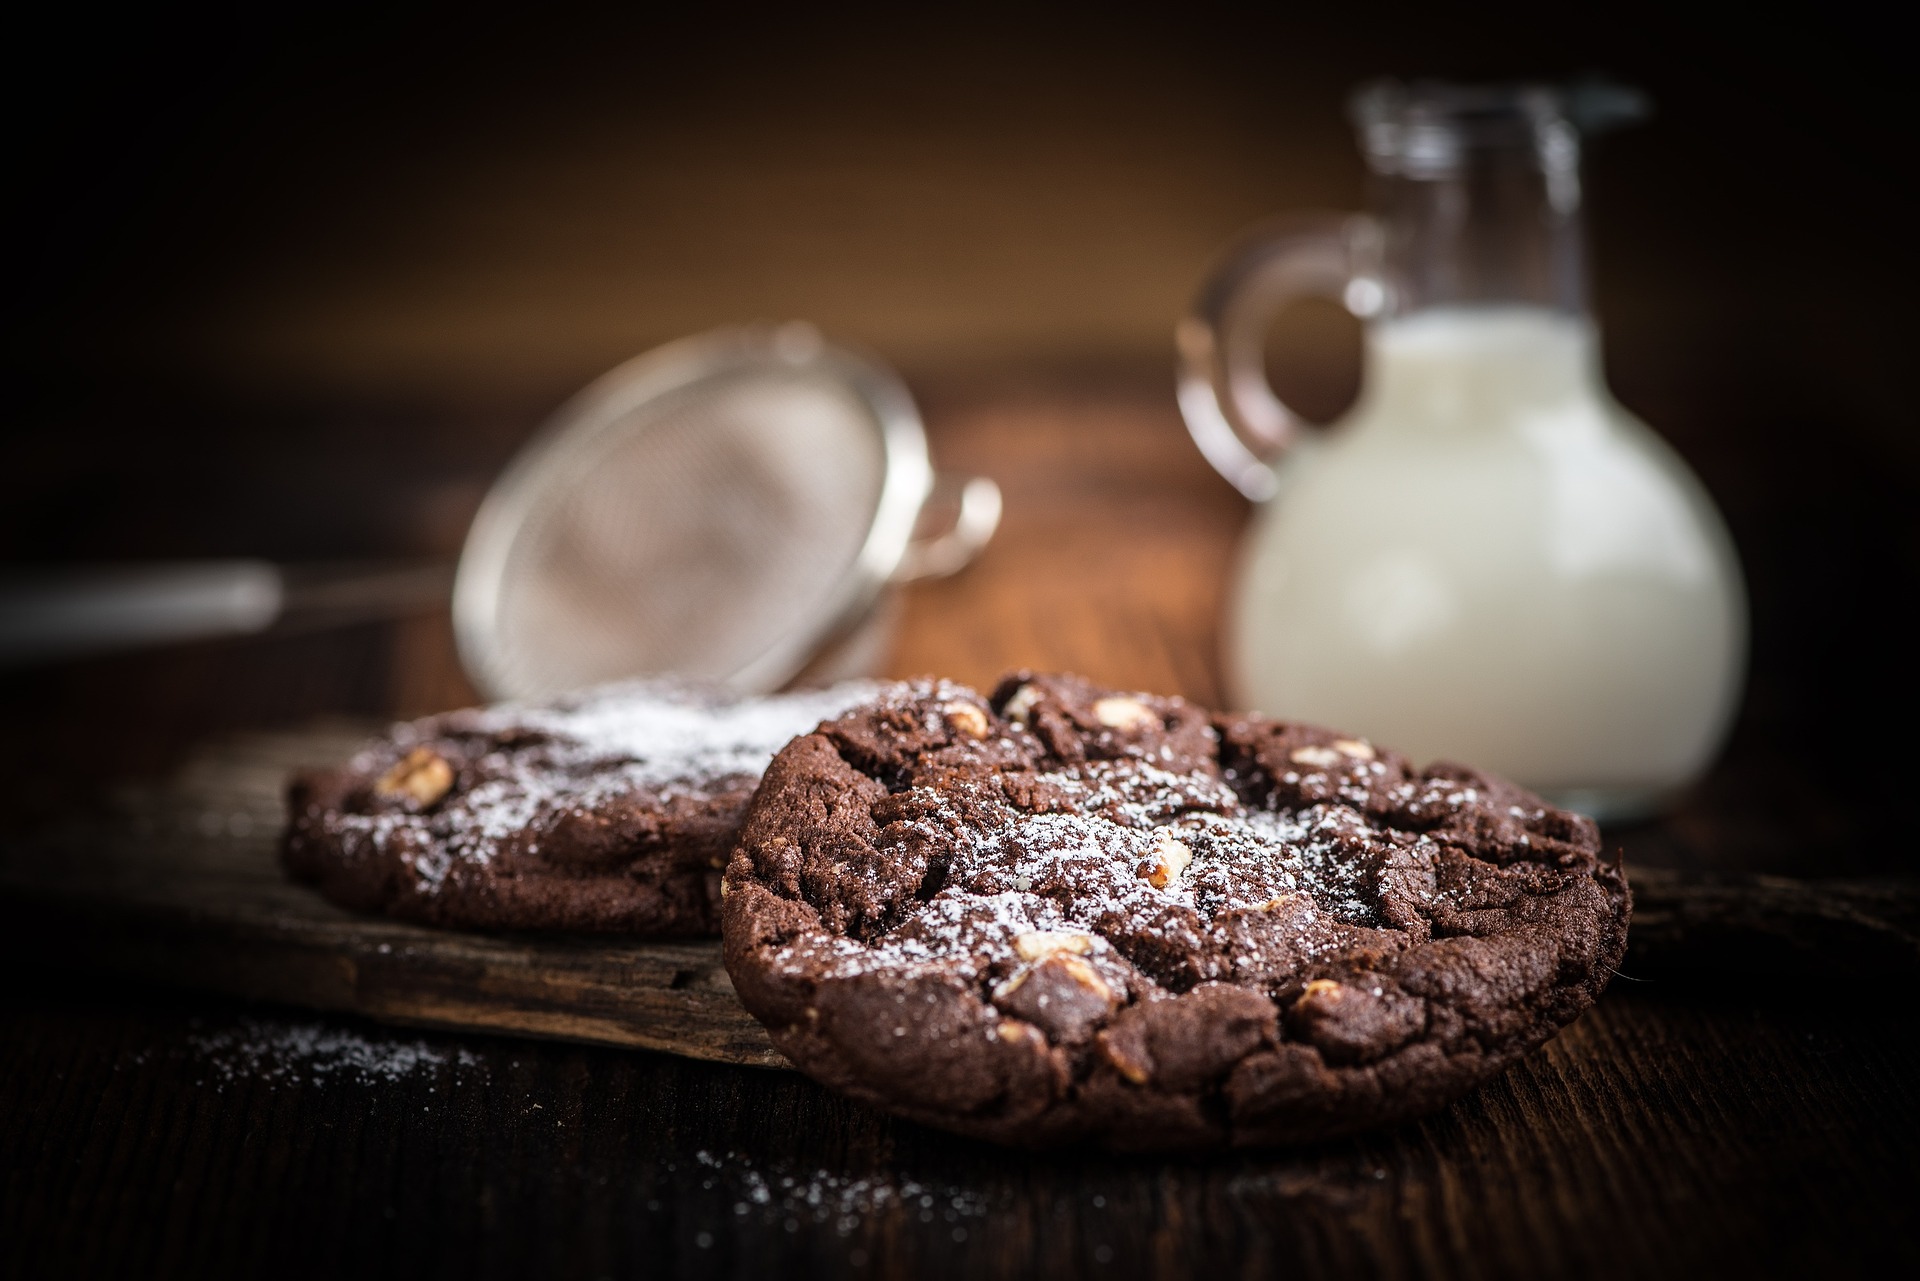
point(611, 811)
point(1068, 914)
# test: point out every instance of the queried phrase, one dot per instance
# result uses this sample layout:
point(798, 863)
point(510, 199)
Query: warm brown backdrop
point(452, 207)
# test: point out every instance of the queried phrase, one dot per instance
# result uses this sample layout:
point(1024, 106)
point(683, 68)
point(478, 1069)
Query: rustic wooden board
point(179, 885)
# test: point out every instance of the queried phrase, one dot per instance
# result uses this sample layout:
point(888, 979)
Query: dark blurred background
point(293, 282)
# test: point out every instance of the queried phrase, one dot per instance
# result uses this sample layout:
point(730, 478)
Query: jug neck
point(1477, 190)
point(1478, 370)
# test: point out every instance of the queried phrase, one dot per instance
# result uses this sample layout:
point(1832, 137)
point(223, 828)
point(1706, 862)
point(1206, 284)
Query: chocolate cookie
point(612, 811)
point(1071, 915)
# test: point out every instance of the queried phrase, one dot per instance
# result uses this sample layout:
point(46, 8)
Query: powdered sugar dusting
point(541, 762)
point(827, 1198)
point(665, 734)
point(1086, 870)
point(1146, 861)
point(284, 1053)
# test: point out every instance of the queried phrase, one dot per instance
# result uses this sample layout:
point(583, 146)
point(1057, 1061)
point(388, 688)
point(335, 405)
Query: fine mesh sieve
point(718, 509)
point(729, 508)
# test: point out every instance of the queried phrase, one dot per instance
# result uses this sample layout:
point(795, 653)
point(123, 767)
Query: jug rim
point(1426, 127)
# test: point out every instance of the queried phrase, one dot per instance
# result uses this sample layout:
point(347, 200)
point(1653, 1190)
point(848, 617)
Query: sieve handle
point(65, 613)
point(975, 505)
point(59, 613)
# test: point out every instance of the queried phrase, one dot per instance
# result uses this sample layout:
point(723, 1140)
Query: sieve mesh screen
point(694, 533)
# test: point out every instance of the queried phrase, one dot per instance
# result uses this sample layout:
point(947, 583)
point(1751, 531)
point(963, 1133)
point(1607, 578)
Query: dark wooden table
point(1690, 1125)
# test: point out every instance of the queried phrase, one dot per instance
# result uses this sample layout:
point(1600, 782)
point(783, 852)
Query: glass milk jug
point(1487, 559)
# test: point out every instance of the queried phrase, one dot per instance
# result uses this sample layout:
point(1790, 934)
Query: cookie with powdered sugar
point(1071, 915)
point(610, 811)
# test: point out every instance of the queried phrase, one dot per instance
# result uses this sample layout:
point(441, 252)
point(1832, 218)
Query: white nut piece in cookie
point(1015, 1032)
point(1124, 1059)
point(1082, 975)
point(1315, 756)
point(1170, 858)
point(421, 774)
point(1355, 748)
point(1124, 713)
point(1037, 944)
point(1085, 975)
point(1020, 706)
point(966, 718)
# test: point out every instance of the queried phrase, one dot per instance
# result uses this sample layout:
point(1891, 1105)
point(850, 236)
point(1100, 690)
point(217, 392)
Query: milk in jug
point(1487, 559)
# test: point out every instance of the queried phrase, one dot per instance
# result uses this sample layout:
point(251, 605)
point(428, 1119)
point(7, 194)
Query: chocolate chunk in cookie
point(1069, 914)
point(611, 811)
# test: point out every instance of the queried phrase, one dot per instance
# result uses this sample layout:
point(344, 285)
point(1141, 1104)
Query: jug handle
point(1230, 408)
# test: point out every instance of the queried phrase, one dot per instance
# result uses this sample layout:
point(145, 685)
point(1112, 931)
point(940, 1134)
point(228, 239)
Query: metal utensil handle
point(1230, 408)
point(976, 503)
point(55, 615)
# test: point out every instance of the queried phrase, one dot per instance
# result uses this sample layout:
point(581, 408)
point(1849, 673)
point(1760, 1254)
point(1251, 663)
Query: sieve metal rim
point(576, 427)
